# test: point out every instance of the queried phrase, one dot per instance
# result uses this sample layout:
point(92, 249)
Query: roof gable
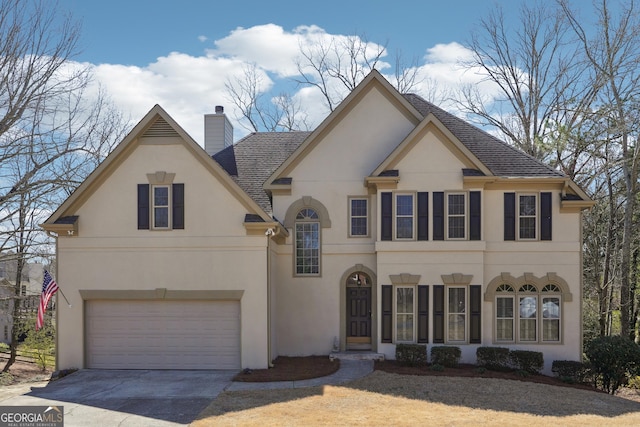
point(431, 123)
point(373, 79)
point(155, 124)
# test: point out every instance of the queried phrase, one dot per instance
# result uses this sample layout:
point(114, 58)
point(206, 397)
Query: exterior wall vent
point(160, 129)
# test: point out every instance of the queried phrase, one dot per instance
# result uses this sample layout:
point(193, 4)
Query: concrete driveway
point(128, 398)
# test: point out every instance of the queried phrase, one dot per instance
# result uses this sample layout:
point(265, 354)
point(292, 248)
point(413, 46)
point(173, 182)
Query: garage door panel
point(163, 334)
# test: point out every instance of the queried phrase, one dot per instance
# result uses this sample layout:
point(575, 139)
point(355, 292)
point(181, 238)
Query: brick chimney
point(218, 131)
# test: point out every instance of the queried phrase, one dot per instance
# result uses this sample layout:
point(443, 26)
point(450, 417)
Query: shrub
point(613, 359)
point(436, 368)
point(411, 354)
point(634, 383)
point(527, 361)
point(494, 358)
point(570, 371)
point(446, 356)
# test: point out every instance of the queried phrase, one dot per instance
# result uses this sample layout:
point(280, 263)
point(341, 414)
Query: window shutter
point(438, 215)
point(475, 309)
point(387, 313)
point(509, 216)
point(178, 206)
point(545, 216)
point(423, 216)
point(423, 313)
point(475, 216)
point(438, 313)
point(143, 206)
point(386, 222)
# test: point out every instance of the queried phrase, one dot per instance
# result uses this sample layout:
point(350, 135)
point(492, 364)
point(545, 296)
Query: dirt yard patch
point(21, 372)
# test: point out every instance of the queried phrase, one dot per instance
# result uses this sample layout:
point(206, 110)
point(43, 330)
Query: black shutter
point(475, 216)
point(509, 216)
point(475, 325)
point(438, 313)
point(143, 206)
point(423, 216)
point(423, 313)
point(545, 216)
point(386, 222)
point(438, 215)
point(178, 206)
point(387, 314)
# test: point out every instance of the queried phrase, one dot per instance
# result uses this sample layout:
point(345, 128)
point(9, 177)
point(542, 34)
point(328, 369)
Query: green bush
point(411, 354)
point(527, 361)
point(436, 368)
point(570, 371)
point(634, 383)
point(446, 356)
point(614, 359)
point(493, 358)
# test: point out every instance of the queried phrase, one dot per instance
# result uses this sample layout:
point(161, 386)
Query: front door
point(359, 318)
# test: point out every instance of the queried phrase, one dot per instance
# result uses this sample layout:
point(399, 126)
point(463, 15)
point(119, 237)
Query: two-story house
point(392, 222)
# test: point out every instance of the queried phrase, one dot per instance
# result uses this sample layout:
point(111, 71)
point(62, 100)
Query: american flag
point(49, 287)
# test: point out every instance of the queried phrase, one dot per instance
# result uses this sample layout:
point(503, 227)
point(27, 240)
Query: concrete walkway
point(349, 370)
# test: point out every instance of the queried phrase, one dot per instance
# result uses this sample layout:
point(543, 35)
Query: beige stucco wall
point(308, 308)
point(212, 253)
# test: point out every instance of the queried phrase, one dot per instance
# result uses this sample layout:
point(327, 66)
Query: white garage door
point(163, 334)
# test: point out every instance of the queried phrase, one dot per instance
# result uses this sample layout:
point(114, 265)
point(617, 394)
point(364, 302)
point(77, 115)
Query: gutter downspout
point(269, 233)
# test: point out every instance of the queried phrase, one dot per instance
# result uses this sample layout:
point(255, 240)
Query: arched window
point(307, 242)
point(528, 309)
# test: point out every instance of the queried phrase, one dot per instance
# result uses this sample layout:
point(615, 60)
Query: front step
point(356, 355)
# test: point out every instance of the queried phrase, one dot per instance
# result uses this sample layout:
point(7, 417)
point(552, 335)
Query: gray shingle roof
point(253, 159)
point(499, 157)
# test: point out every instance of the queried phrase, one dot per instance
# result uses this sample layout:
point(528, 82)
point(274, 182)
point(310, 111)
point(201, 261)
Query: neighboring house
point(392, 222)
point(30, 288)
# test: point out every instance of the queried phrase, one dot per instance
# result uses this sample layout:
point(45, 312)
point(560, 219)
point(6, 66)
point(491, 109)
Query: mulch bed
point(472, 371)
point(291, 369)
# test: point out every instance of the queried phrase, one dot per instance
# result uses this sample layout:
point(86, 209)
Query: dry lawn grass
point(383, 399)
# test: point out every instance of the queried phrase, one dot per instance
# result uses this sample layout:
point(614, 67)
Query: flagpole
point(64, 296)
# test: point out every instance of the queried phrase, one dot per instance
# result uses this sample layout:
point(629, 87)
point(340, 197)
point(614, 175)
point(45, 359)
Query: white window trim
point(537, 217)
point(557, 295)
point(395, 314)
point(465, 313)
point(295, 247)
point(168, 206)
point(351, 216)
point(465, 214)
point(413, 216)
point(514, 318)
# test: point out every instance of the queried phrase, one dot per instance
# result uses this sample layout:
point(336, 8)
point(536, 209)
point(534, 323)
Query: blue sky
point(180, 54)
point(136, 32)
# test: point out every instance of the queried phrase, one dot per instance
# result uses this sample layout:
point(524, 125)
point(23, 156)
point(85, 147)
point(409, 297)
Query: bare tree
point(537, 72)
point(335, 66)
point(613, 53)
point(51, 134)
point(257, 110)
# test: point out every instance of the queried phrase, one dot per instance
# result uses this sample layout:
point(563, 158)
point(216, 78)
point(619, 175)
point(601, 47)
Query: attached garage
point(162, 334)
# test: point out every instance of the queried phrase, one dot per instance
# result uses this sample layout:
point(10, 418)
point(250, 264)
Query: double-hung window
point(527, 216)
point(358, 217)
point(307, 242)
point(405, 215)
point(456, 215)
point(160, 209)
point(528, 313)
point(505, 314)
point(456, 313)
point(404, 313)
point(550, 313)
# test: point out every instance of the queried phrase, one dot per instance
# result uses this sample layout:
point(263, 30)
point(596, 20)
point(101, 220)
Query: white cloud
point(190, 86)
